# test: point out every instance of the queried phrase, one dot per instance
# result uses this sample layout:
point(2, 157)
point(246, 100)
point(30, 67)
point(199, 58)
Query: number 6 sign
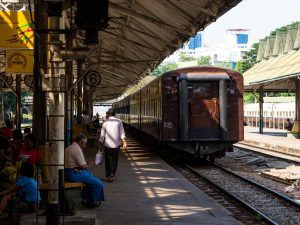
point(92, 78)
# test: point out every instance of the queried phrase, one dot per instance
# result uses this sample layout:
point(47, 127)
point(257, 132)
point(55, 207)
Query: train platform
point(149, 191)
point(271, 139)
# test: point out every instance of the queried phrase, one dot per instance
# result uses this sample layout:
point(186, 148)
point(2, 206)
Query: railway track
point(265, 203)
point(268, 152)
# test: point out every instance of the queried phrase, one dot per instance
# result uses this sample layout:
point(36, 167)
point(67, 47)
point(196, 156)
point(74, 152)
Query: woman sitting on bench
point(76, 171)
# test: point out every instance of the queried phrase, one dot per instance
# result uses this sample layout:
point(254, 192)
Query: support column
point(69, 98)
point(56, 113)
point(261, 110)
point(40, 64)
point(295, 133)
point(18, 102)
point(79, 92)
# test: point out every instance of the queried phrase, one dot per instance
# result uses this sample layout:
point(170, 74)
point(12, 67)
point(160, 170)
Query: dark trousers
point(111, 160)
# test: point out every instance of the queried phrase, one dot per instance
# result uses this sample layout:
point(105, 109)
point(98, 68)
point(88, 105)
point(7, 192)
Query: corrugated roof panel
point(279, 68)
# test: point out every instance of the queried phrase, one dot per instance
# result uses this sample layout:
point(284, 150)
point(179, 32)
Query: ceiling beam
point(134, 14)
point(198, 5)
point(151, 35)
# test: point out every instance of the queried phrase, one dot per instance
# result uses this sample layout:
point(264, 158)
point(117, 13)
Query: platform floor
point(274, 139)
point(150, 192)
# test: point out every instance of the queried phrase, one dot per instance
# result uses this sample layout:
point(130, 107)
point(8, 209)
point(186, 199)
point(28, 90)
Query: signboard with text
point(19, 62)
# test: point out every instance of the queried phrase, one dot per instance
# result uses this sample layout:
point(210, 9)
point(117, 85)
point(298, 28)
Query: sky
point(259, 16)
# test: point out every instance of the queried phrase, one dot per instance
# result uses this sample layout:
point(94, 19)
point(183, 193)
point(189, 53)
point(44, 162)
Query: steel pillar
point(40, 63)
point(79, 92)
point(18, 102)
point(261, 110)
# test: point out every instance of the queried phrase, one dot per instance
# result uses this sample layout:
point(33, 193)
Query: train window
point(204, 89)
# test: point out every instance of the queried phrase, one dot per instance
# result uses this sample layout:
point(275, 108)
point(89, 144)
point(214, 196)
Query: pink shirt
point(112, 132)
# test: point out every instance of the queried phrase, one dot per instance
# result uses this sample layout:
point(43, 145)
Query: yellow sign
point(19, 61)
point(16, 29)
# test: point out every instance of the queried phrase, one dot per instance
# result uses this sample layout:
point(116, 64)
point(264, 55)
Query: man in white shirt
point(86, 120)
point(112, 133)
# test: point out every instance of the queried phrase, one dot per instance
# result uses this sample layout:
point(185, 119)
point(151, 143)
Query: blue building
point(196, 41)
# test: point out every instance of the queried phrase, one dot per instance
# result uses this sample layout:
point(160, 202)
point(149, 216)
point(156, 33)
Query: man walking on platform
point(86, 120)
point(112, 133)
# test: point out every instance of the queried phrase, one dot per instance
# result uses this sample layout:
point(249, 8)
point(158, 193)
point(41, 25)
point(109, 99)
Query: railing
point(268, 122)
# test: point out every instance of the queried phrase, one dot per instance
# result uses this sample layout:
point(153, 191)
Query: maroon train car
point(196, 109)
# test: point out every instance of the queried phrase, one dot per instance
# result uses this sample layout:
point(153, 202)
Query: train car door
point(204, 115)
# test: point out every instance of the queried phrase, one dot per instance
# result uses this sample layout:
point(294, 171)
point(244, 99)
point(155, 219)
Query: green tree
point(183, 57)
point(249, 59)
point(224, 64)
point(293, 25)
point(204, 61)
point(161, 69)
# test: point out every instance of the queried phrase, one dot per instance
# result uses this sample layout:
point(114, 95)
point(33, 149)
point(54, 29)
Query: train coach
point(198, 110)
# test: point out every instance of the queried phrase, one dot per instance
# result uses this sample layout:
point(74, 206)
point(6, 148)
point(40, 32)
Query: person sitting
point(27, 131)
point(76, 170)
point(289, 125)
point(28, 152)
point(8, 172)
point(24, 195)
point(7, 130)
point(16, 144)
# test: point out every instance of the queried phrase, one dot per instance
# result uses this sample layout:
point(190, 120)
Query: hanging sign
point(19, 62)
point(16, 29)
point(93, 78)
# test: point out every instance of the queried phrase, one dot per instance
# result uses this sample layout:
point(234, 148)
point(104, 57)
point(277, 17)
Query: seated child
point(24, 195)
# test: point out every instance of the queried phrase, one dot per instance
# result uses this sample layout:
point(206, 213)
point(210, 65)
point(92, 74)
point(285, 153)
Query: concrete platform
point(272, 139)
point(147, 192)
point(82, 217)
point(150, 192)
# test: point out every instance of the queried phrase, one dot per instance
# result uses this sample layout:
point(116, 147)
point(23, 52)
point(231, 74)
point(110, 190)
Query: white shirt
point(85, 119)
point(112, 132)
point(74, 156)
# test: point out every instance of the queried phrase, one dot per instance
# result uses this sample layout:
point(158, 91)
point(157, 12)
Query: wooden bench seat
point(72, 192)
point(67, 185)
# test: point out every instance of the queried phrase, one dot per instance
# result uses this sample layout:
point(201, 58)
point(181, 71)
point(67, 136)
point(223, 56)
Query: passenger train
point(198, 110)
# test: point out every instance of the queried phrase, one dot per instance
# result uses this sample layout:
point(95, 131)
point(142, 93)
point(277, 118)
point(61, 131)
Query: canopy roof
point(279, 63)
point(139, 36)
point(142, 33)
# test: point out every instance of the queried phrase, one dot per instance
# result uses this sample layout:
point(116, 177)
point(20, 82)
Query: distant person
point(24, 194)
point(86, 120)
point(74, 119)
point(76, 170)
point(112, 133)
point(289, 125)
point(7, 130)
point(26, 131)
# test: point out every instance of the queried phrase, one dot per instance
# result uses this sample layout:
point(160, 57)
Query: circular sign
point(9, 80)
point(92, 78)
point(28, 80)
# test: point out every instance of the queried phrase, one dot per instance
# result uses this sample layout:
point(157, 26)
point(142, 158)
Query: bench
point(72, 192)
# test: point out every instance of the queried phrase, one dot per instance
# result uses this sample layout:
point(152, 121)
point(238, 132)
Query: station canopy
point(279, 63)
point(142, 33)
point(139, 36)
